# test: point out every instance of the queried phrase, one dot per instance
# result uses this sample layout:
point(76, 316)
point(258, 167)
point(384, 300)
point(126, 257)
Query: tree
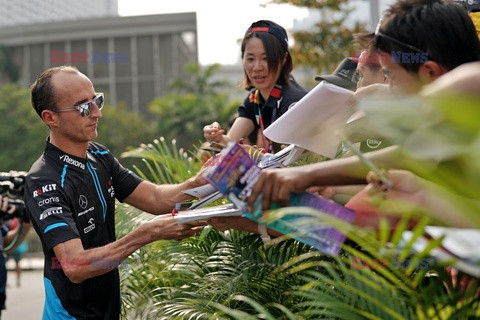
point(330, 40)
point(7, 67)
point(190, 105)
point(23, 134)
point(121, 130)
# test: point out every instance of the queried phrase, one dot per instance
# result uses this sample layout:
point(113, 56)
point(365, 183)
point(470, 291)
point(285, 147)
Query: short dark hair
point(275, 51)
point(440, 28)
point(366, 44)
point(42, 95)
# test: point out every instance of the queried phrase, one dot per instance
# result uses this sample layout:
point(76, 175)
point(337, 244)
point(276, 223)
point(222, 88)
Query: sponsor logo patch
point(50, 211)
point(71, 161)
point(45, 189)
point(48, 201)
point(90, 227)
point(83, 212)
point(110, 189)
point(82, 201)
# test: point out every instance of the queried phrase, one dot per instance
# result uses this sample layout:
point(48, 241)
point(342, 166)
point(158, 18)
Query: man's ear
point(49, 117)
point(430, 71)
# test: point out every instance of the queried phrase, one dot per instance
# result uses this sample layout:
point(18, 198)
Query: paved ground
point(25, 302)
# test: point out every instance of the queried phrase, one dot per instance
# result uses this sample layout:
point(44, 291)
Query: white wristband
point(262, 229)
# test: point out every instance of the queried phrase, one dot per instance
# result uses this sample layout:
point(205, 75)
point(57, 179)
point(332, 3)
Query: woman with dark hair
point(267, 66)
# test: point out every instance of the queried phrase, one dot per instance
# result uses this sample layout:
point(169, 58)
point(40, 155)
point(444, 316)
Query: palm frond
point(234, 275)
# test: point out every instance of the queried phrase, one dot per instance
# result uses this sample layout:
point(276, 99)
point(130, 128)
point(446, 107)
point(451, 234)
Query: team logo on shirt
point(71, 161)
point(48, 201)
point(45, 189)
point(91, 221)
point(82, 201)
point(85, 211)
point(110, 189)
point(50, 211)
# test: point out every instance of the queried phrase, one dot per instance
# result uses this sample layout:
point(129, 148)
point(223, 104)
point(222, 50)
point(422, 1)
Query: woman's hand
point(213, 133)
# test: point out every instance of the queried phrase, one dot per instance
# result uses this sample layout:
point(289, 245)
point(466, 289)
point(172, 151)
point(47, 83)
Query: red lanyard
point(273, 99)
point(265, 141)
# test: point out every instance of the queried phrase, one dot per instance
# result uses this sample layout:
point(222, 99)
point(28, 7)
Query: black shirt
point(287, 96)
point(280, 100)
point(68, 197)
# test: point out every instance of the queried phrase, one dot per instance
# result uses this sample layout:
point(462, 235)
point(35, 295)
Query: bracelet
point(262, 229)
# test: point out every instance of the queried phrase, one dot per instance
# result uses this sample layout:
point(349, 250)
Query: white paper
point(201, 192)
point(276, 160)
point(228, 210)
point(462, 246)
point(294, 155)
point(217, 195)
point(462, 243)
point(315, 120)
point(206, 195)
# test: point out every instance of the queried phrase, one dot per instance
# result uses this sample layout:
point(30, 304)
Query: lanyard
point(267, 143)
point(275, 95)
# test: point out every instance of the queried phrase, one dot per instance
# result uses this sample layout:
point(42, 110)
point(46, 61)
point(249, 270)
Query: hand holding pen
point(213, 132)
point(380, 175)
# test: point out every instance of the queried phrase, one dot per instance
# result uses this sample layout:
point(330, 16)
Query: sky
point(220, 23)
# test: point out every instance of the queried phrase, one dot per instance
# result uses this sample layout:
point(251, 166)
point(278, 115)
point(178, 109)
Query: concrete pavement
point(25, 302)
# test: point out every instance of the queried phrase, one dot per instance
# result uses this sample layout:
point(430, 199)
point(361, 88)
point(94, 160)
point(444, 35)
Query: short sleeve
point(124, 180)
point(50, 213)
point(247, 110)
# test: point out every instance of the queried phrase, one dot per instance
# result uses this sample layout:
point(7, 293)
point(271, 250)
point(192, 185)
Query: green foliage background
point(192, 104)
point(330, 40)
point(23, 133)
point(233, 275)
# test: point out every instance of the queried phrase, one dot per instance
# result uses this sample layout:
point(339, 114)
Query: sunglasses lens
point(99, 101)
point(85, 109)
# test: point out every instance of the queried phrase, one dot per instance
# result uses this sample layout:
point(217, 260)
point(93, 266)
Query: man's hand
point(406, 186)
point(239, 223)
point(275, 185)
point(198, 179)
point(226, 223)
point(4, 206)
point(165, 227)
point(406, 193)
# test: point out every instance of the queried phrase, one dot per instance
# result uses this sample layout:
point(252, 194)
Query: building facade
point(132, 59)
point(22, 12)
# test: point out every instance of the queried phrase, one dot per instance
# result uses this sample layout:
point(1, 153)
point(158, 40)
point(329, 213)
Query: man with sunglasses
point(70, 195)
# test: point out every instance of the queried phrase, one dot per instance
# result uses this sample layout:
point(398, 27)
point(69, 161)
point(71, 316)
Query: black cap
point(343, 74)
point(272, 28)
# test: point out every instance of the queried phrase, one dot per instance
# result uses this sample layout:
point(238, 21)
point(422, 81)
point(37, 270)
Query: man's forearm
point(167, 196)
point(79, 264)
point(452, 209)
point(352, 170)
